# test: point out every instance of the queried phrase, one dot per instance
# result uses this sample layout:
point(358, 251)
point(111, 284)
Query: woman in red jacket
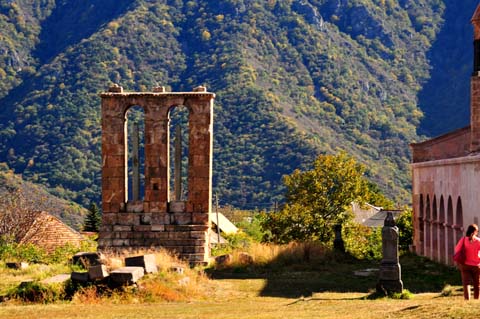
point(470, 270)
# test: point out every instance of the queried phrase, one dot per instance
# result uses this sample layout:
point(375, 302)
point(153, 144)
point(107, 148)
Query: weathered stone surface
point(80, 277)
point(127, 275)
point(148, 263)
point(223, 260)
point(98, 272)
point(390, 275)
point(245, 258)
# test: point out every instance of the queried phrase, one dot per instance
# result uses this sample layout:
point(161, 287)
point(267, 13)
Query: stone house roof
point(49, 233)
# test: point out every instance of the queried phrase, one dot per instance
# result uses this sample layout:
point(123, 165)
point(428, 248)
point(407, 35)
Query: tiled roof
point(49, 232)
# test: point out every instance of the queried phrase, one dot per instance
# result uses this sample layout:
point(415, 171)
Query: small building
point(446, 178)
point(49, 232)
point(372, 216)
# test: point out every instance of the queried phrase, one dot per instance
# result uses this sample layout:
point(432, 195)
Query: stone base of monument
point(388, 287)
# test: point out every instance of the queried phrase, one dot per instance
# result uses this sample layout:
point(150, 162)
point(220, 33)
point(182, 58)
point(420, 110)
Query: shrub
point(37, 292)
point(362, 242)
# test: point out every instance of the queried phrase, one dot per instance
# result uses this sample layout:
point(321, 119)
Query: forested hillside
point(293, 79)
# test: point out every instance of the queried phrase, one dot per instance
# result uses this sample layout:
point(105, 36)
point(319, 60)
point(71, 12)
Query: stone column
point(200, 157)
point(475, 113)
point(390, 271)
point(156, 156)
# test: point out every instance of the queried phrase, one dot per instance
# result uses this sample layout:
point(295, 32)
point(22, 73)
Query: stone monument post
point(390, 271)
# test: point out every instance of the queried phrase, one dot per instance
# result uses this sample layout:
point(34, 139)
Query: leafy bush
point(362, 242)
point(37, 292)
point(10, 251)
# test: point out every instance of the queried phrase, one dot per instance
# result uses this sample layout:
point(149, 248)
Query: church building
point(446, 178)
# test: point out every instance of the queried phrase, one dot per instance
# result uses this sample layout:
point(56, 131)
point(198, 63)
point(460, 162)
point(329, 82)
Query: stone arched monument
point(156, 220)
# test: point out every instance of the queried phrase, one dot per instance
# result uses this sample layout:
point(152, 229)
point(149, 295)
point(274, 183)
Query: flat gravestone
point(56, 279)
point(126, 275)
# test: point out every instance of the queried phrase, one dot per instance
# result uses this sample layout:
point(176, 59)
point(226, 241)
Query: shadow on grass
point(339, 273)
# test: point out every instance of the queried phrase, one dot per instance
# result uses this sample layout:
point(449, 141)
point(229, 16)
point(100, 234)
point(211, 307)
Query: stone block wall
point(156, 221)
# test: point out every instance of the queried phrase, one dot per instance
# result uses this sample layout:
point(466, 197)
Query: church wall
point(445, 202)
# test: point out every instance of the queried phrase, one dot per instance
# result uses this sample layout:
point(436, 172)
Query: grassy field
point(319, 289)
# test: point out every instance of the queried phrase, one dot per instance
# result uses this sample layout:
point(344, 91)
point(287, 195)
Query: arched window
point(442, 233)
point(428, 231)
point(459, 220)
point(179, 152)
point(135, 150)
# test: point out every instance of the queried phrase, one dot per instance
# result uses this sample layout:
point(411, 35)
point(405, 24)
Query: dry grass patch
point(175, 281)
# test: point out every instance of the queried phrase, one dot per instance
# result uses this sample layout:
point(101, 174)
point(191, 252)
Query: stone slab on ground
point(56, 279)
point(148, 263)
point(127, 275)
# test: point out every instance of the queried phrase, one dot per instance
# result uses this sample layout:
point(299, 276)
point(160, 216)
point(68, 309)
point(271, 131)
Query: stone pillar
point(475, 113)
point(390, 271)
point(200, 157)
point(156, 156)
point(114, 175)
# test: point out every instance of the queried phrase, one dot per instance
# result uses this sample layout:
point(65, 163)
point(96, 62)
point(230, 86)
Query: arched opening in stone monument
point(178, 153)
point(135, 153)
point(441, 225)
point(421, 224)
point(428, 251)
point(459, 220)
point(450, 230)
point(434, 229)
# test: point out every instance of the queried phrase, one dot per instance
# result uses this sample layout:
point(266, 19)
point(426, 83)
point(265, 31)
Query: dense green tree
point(318, 199)
point(93, 219)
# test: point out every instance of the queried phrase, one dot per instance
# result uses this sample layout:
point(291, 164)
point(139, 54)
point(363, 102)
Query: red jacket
point(472, 249)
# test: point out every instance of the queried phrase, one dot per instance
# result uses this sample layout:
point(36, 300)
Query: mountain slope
point(293, 79)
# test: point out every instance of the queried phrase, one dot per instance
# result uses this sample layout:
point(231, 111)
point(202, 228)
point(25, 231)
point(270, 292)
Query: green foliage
point(317, 200)
point(37, 292)
point(252, 226)
point(405, 229)
point(11, 251)
point(362, 242)
point(238, 241)
point(93, 219)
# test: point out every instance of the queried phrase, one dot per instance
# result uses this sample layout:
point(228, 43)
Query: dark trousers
point(470, 276)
